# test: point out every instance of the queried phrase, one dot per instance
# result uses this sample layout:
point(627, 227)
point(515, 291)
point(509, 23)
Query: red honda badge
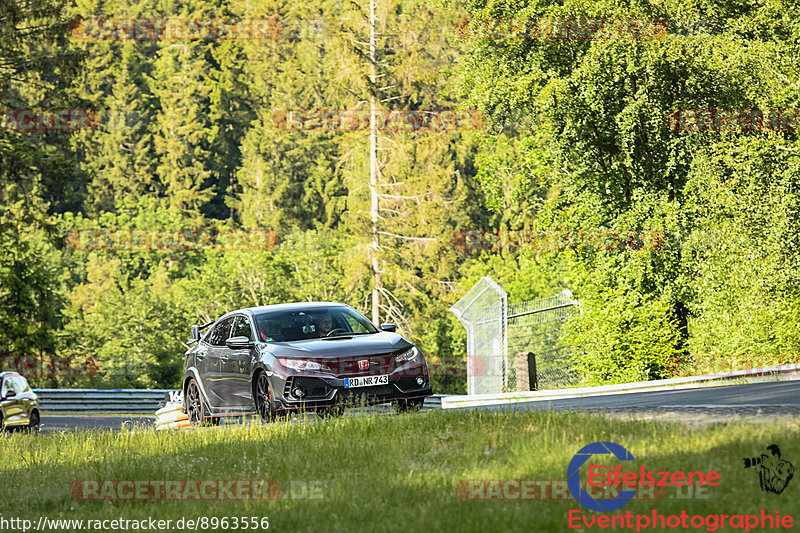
point(363, 364)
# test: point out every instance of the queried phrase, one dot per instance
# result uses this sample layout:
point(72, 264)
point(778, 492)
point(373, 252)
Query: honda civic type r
point(277, 359)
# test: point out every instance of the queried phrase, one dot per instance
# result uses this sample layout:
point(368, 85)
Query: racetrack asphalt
point(745, 400)
point(764, 399)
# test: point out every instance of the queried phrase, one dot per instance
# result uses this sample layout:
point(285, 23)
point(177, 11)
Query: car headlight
point(300, 364)
point(409, 355)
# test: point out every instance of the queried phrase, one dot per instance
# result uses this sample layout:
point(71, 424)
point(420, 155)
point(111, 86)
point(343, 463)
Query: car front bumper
point(329, 391)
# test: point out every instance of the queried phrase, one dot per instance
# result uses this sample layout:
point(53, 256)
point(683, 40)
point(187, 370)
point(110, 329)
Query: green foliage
point(744, 260)
point(576, 138)
point(621, 337)
point(599, 140)
point(29, 303)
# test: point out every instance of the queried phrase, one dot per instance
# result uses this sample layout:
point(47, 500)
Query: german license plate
point(366, 381)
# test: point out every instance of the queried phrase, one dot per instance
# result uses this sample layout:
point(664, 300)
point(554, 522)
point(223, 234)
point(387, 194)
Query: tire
point(407, 406)
point(195, 406)
point(262, 397)
point(33, 424)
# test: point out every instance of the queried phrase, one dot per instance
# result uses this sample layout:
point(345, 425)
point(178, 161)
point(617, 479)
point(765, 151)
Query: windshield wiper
point(350, 334)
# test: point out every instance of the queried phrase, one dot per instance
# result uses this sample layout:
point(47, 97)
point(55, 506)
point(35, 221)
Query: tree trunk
point(375, 244)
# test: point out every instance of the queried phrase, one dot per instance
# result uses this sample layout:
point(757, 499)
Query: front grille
point(348, 366)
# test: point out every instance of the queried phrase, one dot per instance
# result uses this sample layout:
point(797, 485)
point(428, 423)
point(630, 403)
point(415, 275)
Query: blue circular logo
point(574, 477)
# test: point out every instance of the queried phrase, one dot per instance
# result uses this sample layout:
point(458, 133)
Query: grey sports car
point(277, 359)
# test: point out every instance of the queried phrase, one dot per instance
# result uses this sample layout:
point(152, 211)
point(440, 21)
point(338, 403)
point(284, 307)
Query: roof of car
point(9, 373)
point(281, 307)
point(294, 306)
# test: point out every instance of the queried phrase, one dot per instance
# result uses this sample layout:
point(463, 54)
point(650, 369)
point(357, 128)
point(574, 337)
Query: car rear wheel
point(405, 406)
point(195, 407)
point(263, 399)
point(33, 424)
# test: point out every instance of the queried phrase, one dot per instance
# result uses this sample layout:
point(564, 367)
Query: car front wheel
point(33, 424)
point(263, 399)
point(195, 407)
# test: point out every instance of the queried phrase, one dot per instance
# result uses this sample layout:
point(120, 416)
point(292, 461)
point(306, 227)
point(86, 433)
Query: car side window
point(220, 333)
point(7, 386)
point(212, 335)
point(241, 328)
point(20, 385)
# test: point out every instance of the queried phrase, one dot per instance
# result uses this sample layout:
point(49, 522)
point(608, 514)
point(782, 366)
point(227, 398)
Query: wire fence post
point(483, 312)
point(496, 328)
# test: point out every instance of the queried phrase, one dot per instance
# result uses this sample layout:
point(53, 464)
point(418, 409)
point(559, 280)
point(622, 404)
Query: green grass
point(386, 472)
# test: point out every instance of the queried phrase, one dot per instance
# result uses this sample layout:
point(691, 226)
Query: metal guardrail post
point(525, 363)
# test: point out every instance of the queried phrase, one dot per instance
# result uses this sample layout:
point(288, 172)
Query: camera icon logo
point(774, 472)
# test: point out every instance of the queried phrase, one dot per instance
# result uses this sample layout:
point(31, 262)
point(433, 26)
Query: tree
point(36, 69)
point(602, 144)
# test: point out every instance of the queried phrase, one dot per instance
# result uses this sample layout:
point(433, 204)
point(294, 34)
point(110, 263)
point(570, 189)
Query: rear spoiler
point(195, 334)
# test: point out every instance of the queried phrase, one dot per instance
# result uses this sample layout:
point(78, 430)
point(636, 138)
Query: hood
point(377, 343)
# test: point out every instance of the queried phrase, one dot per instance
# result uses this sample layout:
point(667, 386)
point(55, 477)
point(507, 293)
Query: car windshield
point(313, 323)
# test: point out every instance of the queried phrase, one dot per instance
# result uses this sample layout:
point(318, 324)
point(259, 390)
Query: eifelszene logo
point(774, 473)
point(574, 477)
point(604, 476)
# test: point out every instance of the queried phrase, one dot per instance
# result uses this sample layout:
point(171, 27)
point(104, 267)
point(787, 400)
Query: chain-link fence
point(534, 326)
point(496, 331)
point(483, 312)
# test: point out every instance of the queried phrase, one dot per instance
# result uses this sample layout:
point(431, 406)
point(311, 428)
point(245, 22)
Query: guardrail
point(139, 401)
point(433, 402)
point(780, 372)
point(101, 400)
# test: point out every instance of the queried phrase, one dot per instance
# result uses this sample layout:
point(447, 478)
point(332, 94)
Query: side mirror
point(389, 327)
point(238, 343)
point(195, 335)
point(10, 394)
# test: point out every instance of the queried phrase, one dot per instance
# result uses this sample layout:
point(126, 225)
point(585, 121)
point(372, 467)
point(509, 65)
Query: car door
point(237, 365)
point(12, 407)
point(209, 365)
point(25, 397)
